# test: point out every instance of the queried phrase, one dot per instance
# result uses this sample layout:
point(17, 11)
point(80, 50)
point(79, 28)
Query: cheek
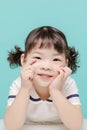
point(28, 60)
point(37, 64)
point(56, 67)
point(60, 64)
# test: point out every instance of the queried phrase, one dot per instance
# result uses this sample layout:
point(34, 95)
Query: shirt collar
point(35, 97)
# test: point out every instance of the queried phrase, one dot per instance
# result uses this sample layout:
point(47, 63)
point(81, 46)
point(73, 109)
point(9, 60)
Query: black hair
point(47, 36)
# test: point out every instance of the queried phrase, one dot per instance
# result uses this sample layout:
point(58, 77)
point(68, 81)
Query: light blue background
point(19, 17)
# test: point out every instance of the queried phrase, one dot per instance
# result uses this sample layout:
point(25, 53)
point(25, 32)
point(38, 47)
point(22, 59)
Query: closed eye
point(56, 59)
point(37, 57)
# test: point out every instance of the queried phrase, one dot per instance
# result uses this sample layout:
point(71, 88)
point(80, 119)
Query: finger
point(27, 75)
point(61, 73)
point(28, 64)
point(67, 71)
point(27, 71)
point(27, 68)
point(30, 76)
point(33, 61)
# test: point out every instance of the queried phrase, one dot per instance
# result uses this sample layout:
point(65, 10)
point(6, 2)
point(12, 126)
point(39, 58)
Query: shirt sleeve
point(14, 89)
point(70, 91)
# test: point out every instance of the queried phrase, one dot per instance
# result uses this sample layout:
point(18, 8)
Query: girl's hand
point(27, 75)
point(58, 82)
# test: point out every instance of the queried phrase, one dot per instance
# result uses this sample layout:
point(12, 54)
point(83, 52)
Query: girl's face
point(48, 62)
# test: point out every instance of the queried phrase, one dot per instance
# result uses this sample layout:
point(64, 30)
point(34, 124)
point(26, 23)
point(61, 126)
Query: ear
point(22, 59)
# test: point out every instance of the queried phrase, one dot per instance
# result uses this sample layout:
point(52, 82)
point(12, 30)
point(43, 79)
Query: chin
point(41, 84)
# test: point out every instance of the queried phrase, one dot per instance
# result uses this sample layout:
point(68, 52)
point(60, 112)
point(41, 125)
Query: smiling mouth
point(45, 76)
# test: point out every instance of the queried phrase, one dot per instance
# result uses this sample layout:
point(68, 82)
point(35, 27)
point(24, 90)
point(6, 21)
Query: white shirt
point(44, 112)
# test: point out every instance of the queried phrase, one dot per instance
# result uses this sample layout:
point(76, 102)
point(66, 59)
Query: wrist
point(55, 94)
point(53, 90)
point(27, 90)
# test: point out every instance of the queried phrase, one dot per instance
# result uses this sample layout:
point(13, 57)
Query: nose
point(46, 65)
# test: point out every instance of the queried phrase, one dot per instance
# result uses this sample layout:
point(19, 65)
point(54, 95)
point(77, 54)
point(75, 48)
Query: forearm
point(16, 113)
point(70, 115)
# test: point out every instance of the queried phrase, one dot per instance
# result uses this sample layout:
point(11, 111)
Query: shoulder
point(70, 91)
point(69, 82)
point(16, 84)
point(69, 86)
point(17, 81)
point(14, 89)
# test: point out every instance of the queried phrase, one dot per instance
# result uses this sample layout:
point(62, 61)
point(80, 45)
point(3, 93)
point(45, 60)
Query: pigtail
point(14, 57)
point(72, 59)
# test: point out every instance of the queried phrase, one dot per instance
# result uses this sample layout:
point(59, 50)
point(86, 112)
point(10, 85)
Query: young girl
point(44, 93)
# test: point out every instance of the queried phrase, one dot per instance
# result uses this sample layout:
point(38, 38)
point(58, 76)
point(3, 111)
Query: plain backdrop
point(19, 17)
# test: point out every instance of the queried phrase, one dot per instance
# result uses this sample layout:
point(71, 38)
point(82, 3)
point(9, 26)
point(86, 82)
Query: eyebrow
point(36, 52)
point(40, 53)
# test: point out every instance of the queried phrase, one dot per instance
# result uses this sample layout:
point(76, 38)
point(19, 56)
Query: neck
point(42, 92)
